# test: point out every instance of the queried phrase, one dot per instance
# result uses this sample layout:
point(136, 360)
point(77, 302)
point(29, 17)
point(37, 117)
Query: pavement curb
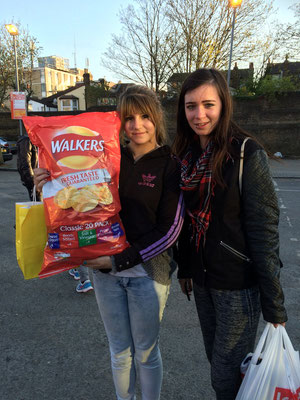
point(285, 177)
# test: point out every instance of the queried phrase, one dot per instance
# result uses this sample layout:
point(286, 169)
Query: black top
point(242, 243)
point(27, 160)
point(152, 205)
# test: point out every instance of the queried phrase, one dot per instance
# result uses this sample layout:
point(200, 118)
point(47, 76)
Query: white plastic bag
point(274, 370)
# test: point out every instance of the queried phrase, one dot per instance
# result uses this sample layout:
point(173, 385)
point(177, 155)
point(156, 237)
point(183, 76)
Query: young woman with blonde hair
point(132, 287)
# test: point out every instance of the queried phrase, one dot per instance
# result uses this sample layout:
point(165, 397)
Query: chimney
point(251, 65)
point(86, 78)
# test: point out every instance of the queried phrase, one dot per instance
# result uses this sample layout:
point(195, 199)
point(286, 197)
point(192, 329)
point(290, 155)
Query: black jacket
point(242, 244)
point(152, 205)
point(27, 161)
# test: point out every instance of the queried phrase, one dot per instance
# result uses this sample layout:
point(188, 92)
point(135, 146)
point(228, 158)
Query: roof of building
point(70, 96)
point(45, 101)
point(291, 67)
point(178, 77)
point(50, 100)
point(64, 92)
point(120, 88)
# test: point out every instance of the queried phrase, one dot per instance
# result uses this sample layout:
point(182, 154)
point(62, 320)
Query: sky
point(82, 27)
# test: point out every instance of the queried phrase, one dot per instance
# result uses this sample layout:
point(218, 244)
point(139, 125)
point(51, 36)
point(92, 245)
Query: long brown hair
point(225, 128)
point(142, 100)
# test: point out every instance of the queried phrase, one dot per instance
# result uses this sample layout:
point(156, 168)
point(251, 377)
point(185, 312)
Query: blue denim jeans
point(131, 310)
point(83, 273)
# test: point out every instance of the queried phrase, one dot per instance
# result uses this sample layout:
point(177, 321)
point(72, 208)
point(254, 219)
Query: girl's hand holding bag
point(31, 236)
point(274, 370)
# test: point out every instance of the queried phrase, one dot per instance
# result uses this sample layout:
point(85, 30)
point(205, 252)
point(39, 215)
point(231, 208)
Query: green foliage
point(268, 86)
point(27, 52)
point(247, 89)
point(95, 93)
point(271, 88)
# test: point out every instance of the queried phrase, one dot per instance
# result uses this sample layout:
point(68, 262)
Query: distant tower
point(74, 54)
point(87, 63)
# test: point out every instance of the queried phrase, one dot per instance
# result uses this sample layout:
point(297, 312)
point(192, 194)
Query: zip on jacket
point(235, 252)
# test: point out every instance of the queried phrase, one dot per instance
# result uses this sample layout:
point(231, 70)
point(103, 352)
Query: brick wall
point(276, 124)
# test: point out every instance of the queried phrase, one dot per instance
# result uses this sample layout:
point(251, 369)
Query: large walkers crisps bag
point(81, 199)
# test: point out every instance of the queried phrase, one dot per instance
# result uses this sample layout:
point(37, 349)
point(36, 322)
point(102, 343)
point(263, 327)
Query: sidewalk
point(10, 165)
point(283, 168)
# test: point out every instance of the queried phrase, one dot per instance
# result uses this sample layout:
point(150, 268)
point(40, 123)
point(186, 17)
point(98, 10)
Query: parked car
point(12, 144)
point(6, 154)
point(4, 143)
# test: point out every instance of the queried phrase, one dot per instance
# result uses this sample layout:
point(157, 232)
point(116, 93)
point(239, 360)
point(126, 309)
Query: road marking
point(283, 207)
point(287, 190)
point(289, 221)
point(294, 239)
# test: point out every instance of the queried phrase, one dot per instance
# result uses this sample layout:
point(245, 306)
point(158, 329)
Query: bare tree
point(161, 37)
point(206, 30)
point(147, 51)
point(288, 35)
point(27, 51)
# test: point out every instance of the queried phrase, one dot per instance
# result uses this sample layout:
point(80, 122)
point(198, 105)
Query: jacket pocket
point(235, 252)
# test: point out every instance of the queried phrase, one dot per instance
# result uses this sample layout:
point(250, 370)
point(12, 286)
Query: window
point(65, 105)
point(42, 76)
point(75, 104)
point(69, 104)
point(106, 101)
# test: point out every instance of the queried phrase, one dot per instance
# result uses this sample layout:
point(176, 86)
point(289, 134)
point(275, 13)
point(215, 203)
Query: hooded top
point(152, 206)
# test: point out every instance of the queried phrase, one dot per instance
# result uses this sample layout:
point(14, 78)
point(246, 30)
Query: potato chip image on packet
point(81, 199)
point(102, 192)
point(84, 200)
point(64, 197)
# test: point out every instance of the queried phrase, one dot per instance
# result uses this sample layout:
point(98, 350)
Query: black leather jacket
point(242, 243)
point(27, 161)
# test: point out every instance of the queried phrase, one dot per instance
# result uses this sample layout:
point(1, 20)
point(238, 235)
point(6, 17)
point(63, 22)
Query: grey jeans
point(229, 320)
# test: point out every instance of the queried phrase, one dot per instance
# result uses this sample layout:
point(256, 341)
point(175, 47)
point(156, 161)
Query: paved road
point(52, 341)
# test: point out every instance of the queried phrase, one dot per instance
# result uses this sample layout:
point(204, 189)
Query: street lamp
point(232, 4)
point(13, 31)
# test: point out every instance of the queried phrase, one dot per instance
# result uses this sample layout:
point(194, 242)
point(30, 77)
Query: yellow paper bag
point(31, 237)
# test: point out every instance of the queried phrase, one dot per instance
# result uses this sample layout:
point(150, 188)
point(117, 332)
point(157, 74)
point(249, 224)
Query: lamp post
point(13, 31)
point(232, 4)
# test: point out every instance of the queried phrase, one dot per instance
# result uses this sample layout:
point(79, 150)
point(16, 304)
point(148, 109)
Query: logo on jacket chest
point(147, 180)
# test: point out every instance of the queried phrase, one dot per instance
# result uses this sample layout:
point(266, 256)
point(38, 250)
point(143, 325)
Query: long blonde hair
point(139, 99)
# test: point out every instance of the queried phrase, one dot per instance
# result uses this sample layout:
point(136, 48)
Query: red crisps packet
point(81, 200)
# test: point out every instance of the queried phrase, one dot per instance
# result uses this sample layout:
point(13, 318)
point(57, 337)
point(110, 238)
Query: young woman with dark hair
point(228, 251)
